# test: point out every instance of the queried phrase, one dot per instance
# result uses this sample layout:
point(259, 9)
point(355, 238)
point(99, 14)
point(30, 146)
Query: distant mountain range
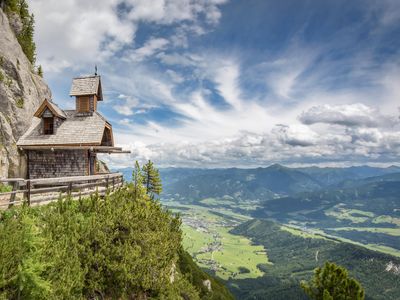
point(267, 183)
point(379, 195)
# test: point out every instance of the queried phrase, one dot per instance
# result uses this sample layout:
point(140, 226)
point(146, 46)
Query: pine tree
point(332, 282)
point(40, 71)
point(152, 180)
point(137, 180)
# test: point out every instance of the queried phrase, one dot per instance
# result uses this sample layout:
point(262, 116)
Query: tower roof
point(87, 85)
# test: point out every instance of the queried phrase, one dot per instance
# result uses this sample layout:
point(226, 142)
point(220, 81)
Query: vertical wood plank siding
point(57, 163)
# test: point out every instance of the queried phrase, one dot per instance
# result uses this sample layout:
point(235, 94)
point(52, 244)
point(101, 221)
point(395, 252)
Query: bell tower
point(87, 91)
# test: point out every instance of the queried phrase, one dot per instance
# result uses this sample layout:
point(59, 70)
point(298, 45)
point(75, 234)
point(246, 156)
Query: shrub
point(333, 282)
point(40, 71)
point(74, 249)
point(5, 188)
point(20, 102)
point(25, 37)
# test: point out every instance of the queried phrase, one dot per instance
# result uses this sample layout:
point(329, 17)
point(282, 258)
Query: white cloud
point(320, 120)
point(350, 115)
point(175, 77)
point(151, 47)
point(70, 33)
point(76, 34)
point(227, 79)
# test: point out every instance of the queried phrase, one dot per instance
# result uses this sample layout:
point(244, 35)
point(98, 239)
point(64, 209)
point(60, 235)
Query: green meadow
point(207, 238)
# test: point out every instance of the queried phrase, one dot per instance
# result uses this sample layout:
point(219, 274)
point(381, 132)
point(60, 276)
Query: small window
point(83, 104)
point(48, 125)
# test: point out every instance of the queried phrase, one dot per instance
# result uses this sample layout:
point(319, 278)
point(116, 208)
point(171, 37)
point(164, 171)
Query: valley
point(261, 231)
point(208, 239)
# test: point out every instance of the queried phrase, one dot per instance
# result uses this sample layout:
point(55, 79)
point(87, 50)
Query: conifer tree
point(332, 282)
point(152, 180)
point(137, 180)
point(40, 71)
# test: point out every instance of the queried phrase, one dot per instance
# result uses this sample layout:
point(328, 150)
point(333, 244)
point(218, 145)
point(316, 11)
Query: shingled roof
point(52, 107)
point(89, 85)
point(74, 130)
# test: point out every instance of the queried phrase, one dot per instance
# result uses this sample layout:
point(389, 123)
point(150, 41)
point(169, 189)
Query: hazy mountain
point(379, 195)
point(332, 176)
point(260, 183)
point(263, 183)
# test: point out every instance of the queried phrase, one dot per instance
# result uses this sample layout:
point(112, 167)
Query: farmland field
point(207, 239)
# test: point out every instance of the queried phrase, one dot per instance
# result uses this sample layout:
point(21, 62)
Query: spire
point(95, 69)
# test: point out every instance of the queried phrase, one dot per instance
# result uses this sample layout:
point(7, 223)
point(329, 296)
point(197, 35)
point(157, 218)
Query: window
point(48, 125)
point(83, 104)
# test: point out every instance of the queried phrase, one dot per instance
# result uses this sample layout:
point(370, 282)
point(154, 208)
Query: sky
point(225, 83)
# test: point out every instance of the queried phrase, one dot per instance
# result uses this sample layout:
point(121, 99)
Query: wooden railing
point(37, 191)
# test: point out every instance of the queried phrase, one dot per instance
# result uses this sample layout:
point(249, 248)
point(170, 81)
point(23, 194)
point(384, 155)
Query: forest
point(122, 246)
point(294, 257)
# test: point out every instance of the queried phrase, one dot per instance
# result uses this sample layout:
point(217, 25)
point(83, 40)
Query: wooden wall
point(86, 103)
point(57, 163)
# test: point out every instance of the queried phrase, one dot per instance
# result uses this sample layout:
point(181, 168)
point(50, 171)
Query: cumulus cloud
point(290, 144)
point(351, 115)
point(74, 33)
point(220, 107)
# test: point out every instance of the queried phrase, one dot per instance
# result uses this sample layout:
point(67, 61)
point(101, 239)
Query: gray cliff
point(21, 92)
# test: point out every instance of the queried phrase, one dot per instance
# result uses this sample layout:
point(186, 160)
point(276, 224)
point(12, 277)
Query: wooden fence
point(39, 191)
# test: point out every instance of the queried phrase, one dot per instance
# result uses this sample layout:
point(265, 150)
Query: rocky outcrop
point(21, 92)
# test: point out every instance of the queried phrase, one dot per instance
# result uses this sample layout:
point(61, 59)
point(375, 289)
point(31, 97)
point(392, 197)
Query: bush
point(25, 37)
point(73, 249)
point(5, 188)
point(332, 282)
point(20, 102)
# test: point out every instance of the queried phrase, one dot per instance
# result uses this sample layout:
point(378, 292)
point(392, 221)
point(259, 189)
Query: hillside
point(294, 255)
point(21, 92)
point(114, 248)
point(241, 184)
point(334, 176)
point(260, 184)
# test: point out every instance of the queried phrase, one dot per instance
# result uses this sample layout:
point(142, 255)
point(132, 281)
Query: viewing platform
point(45, 190)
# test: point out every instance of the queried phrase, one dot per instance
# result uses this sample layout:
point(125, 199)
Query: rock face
point(21, 92)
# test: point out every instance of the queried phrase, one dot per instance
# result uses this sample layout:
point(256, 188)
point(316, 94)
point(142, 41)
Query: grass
point(354, 215)
point(207, 238)
point(317, 233)
point(301, 233)
point(386, 219)
point(390, 231)
point(374, 247)
point(236, 252)
point(20, 102)
point(5, 188)
point(216, 202)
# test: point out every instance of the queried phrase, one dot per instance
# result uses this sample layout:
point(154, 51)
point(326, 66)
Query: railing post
point(69, 189)
point(28, 192)
point(12, 196)
point(107, 183)
point(113, 184)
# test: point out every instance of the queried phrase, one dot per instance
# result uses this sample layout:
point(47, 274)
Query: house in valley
point(66, 142)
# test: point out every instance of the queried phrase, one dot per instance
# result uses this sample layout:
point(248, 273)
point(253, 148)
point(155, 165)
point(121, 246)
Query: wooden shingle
point(89, 85)
point(76, 129)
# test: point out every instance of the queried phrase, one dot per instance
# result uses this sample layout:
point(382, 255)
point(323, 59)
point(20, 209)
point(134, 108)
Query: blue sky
point(218, 83)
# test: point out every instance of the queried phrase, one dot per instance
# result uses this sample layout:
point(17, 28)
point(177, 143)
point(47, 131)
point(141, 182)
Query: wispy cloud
point(202, 83)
